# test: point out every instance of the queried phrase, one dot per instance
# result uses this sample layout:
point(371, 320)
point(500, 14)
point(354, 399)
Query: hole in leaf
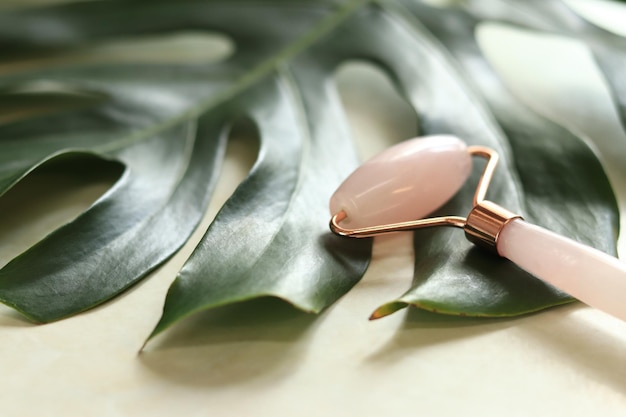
point(538, 69)
point(241, 154)
point(378, 115)
point(43, 98)
point(607, 14)
point(181, 47)
point(51, 196)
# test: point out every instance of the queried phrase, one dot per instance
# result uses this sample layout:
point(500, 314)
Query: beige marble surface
point(263, 358)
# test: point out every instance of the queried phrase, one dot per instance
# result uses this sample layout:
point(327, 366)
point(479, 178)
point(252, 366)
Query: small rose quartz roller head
point(386, 195)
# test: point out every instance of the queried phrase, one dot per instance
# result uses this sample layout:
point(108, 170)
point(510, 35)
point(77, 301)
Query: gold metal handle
point(484, 223)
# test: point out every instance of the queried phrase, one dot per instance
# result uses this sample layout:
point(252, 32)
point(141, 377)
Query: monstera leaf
point(165, 126)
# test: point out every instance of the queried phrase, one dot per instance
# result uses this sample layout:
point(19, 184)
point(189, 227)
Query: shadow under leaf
point(423, 329)
point(585, 345)
point(245, 342)
point(11, 318)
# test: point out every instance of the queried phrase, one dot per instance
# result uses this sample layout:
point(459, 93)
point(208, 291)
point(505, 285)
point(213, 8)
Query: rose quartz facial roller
point(396, 189)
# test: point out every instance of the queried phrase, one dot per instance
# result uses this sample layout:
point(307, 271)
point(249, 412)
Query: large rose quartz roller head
point(396, 189)
point(403, 183)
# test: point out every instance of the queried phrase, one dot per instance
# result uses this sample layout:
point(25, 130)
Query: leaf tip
point(387, 309)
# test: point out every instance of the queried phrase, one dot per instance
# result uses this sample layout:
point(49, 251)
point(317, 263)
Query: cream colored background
point(263, 358)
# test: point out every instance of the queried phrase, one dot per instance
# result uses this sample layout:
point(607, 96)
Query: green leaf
point(166, 123)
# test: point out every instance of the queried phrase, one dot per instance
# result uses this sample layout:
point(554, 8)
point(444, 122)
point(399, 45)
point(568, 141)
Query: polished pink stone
point(405, 182)
point(592, 276)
